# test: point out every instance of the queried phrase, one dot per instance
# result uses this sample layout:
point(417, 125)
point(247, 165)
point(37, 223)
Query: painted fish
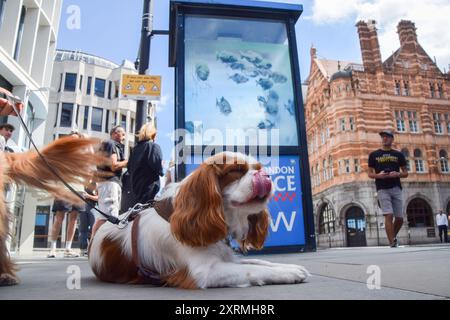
point(251, 57)
point(190, 127)
point(202, 71)
point(238, 78)
point(290, 107)
point(224, 106)
point(226, 57)
point(266, 84)
point(278, 77)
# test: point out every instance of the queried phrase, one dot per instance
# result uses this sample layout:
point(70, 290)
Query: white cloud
point(431, 18)
point(160, 105)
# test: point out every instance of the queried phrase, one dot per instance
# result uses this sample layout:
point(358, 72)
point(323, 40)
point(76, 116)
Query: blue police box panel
point(286, 209)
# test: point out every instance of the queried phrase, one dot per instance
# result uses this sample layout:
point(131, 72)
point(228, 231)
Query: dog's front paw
point(8, 280)
point(284, 275)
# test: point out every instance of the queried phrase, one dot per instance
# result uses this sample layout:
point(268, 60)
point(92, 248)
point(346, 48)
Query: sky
point(111, 29)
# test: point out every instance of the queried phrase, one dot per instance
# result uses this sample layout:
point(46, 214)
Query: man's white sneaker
point(71, 254)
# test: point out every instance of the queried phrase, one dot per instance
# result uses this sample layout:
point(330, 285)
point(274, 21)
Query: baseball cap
point(387, 133)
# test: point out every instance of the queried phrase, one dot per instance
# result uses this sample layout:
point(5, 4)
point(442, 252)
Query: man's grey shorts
point(391, 201)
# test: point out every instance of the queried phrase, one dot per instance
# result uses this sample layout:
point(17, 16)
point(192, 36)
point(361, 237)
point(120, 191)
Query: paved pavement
point(410, 273)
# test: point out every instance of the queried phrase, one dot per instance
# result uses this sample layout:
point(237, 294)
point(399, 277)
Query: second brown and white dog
point(226, 195)
point(72, 159)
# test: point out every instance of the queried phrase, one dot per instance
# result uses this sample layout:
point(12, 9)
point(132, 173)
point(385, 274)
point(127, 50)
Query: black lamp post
point(143, 61)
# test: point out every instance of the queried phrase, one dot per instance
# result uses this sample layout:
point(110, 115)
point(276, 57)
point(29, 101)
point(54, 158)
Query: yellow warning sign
point(141, 87)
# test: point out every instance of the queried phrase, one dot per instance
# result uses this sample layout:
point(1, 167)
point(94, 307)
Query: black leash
point(108, 217)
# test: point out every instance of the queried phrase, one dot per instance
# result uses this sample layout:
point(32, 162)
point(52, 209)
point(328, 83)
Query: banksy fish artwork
point(270, 104)
point(224, 106)
point(278, 77)
point(238, 78)
point(290, 107)
point(202, 71)
point(266, 84)
point(226, 57)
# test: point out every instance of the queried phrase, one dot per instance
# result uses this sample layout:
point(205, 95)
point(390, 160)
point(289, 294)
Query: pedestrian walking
point(387, 166)
point(442, 223)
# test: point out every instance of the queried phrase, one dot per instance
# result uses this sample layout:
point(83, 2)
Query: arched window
point(418, 161)
point(405, 152)
point(327, 219)
point(419, 214)
point(443, 159)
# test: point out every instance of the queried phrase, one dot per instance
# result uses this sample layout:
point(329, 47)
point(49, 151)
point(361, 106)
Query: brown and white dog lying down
point(71, 158)
point(226, 195)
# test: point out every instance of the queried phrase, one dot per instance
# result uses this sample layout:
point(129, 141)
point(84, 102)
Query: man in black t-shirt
point(387, 167)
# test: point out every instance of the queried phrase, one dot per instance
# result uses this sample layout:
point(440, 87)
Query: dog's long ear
point(73, 159)
point(198, 219)
point(258, 228)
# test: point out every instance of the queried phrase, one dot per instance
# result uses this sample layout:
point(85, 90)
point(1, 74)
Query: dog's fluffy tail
point(74, 159)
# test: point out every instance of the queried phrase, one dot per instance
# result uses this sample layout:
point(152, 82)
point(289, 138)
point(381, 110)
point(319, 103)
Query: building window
point(107, 121)
point(327, 220)
point(97, 119)
point(406, 90)
point(447, 122)
point(405, 152)
point(116, 89)
point(86, 118)
point(60, 82)
point(123, 122)
point(440, 91)
point(109, 89)
point(100, 87)
point(397, 88)
point(322, 135)
point(432, 90)
point(31, 117)
point(330, 167)
point(443, 159)
point(420, 166)
point(413, 124)
point(343, 125)
point(89, 86)
point(340, 167)
point(437, 123)
point(357, 166)
point(81, 83)
point(76, 115)
point(347, 166)
point(71, 82)
point(400, 120)
point(419, 214)
point(318, 175)
point(56, 118)
point(66, 115)
point(325, 170)
point(20, 33)
point(2, 6)
point(352, 124)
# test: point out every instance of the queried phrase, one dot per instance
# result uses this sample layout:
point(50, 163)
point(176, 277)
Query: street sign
point(141, 87)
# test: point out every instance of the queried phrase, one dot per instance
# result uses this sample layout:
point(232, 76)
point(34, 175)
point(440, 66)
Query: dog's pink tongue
point(262, 184)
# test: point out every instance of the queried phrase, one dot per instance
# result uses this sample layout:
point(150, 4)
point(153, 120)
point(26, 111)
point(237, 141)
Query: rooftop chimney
point(313, 52)
point(370, 47)
point(407, 33)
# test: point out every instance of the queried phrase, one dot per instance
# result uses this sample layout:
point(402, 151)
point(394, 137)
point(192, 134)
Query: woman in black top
point(145, 166)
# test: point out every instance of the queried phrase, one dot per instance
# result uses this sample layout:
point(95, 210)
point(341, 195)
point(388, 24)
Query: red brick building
point(347, 105)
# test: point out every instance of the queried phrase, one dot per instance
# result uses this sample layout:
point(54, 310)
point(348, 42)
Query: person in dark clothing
point(145, 165)
point(87, 218)
point(387, 166)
